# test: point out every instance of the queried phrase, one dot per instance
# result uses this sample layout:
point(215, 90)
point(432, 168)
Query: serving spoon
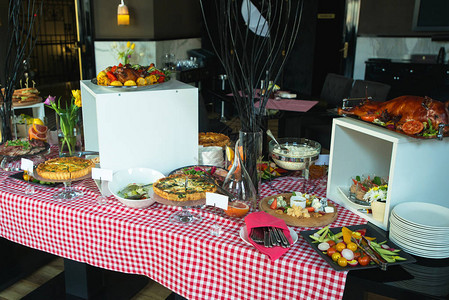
point(270, 134)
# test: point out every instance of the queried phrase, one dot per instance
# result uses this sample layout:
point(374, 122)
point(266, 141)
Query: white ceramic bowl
point(122, 178)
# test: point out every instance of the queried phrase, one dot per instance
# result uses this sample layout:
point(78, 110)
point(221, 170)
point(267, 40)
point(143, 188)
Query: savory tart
point(174, 187)
point(65, 168)
point(207, 139)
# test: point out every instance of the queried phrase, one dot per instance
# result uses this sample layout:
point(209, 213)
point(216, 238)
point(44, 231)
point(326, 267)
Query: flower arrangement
point(123, 55)
point(377, 193)
point(67, 118)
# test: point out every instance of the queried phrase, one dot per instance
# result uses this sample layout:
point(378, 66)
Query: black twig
point(248, 58)
point(20, 42)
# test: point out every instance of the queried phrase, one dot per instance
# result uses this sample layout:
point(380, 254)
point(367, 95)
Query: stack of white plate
point(421, 229)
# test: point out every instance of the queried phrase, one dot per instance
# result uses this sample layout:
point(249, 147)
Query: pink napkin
point(262, 219)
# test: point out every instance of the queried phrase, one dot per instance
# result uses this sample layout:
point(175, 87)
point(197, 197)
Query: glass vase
point(239, 183)
point(67, 135)
point(251, 144)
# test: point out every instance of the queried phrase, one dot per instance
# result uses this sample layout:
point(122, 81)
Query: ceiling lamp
point(122, 14)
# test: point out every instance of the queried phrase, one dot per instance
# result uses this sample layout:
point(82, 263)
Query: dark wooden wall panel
point(388, 18)
point(149, 20)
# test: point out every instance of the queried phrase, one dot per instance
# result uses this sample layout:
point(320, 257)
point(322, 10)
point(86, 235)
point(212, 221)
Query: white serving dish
point(122, 178)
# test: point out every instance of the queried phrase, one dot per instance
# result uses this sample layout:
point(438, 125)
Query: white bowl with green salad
point(134, 187)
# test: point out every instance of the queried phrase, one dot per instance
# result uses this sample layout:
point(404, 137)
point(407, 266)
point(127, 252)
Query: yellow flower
point(128, 44)
point(77, 96)
point(133, 46)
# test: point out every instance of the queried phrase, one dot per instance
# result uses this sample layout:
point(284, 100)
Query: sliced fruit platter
point(355, 247)
point(131, 76)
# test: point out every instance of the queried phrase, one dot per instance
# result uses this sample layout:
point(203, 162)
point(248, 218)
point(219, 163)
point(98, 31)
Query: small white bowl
point(122, 178)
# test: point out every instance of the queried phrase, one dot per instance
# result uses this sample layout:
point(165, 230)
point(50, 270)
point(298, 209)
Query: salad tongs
point(219, 188)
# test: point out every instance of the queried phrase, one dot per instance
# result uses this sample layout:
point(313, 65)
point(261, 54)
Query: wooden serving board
point(294, 221)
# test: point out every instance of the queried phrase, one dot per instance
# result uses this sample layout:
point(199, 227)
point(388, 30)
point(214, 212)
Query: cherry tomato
point(310, 209)
point(336, 256)
point(412, 127)
point(364, 260)
point(26, 177)
point(340, 246)
point(356, 254)
point(331, 251)
point(342, 262)
point(331, 243)
point(352, 246)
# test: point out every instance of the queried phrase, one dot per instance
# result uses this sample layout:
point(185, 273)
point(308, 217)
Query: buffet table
point(186, 259)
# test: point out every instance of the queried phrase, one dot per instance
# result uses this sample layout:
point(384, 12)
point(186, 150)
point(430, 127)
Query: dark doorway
point(329, 41)
point(55, 57)
point(325, 44)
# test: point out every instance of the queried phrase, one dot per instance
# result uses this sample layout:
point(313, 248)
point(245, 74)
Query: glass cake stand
point(68, 192)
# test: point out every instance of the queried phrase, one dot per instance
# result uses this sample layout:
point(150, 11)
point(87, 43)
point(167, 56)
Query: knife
point(273, 238)
point(82, 153)
point(266, 236)
point(257, 235)
point(276, 235)
point(284, 239)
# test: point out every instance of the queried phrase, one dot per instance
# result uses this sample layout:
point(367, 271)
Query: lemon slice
point(229, 154)
point(38, 121)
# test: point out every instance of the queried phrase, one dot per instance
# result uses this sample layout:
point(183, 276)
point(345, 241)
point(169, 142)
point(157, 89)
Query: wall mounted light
point(122, 14)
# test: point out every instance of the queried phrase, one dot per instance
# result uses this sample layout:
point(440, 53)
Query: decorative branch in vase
point(252, 41)
point(20, 41)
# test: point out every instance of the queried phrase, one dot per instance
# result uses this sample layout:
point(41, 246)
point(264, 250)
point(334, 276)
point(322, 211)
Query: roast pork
point(402, 110)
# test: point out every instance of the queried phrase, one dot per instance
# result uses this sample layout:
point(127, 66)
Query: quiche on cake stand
point(65, 170)
point(185, 191)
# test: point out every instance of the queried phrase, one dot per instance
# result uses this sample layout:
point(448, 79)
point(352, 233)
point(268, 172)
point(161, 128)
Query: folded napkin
point(262, 219)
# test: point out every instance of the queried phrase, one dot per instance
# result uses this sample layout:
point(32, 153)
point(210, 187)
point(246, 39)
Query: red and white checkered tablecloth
point(186, 259)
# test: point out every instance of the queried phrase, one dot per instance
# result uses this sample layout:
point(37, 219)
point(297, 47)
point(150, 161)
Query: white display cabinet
point(154, 127)
point(416, 168)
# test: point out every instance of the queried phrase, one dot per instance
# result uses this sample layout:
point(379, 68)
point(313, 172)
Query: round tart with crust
point(65, 168)
point(174, 187)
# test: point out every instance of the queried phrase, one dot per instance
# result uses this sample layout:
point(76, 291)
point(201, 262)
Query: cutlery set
point(269, 237)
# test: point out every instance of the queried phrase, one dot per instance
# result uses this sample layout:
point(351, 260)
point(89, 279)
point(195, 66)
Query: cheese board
point(313, 221)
